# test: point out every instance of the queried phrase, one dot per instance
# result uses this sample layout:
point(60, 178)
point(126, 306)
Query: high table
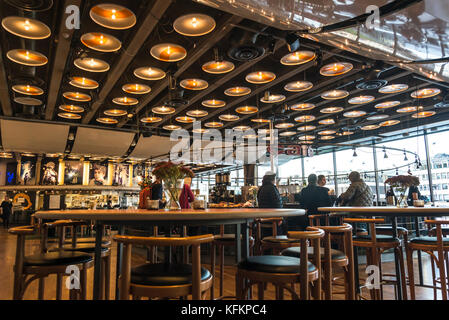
point(392, 213)
point(188, 217)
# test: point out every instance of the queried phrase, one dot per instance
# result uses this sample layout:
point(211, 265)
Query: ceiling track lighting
point(405, 156)
point(385, 153)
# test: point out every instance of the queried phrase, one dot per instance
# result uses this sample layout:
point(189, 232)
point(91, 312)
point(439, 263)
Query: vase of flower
point(401, 184)
point(172, 176)
point(402, 197)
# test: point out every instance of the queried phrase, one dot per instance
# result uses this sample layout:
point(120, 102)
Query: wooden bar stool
point(283, 271)
point(375, 245)
point(333, 258)
point(164, 280)
point(28, 268)
point(430, 244)
point(261, 224)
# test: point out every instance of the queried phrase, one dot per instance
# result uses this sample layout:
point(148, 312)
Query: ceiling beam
point(62, 52)
point(140, 36)
point(223, 28)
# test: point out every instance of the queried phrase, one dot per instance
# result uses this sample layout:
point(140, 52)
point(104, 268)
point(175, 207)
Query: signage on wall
point(50, 172)
point(293, 150)
point(22, 199)
point(98, 174)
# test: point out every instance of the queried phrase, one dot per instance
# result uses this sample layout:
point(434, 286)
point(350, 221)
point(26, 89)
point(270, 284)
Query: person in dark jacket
point(156, 192)
point(268, 195)
point(6, 211)
point(311, 198)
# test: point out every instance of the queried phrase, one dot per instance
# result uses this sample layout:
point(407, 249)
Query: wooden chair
point(375, 245)
point(164, 280)
point(332, 258)
point(283, 271)
point(28, 268)
point(430, 244)
point(264, 224)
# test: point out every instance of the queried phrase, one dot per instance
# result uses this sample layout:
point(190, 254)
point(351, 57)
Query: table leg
point(396, 262)
point(97, 267)
point(245, 240)
point(421, 277)
point(356, 267)
point(121, 231)
point(238, 243)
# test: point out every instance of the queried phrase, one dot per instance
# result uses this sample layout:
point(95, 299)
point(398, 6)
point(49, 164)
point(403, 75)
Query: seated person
point(358, 194)
point(322, 182)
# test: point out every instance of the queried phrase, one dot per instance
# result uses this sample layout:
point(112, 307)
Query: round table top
point(167, 215)
point(390, 211)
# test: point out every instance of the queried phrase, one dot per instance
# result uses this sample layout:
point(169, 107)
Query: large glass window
point(439, 157)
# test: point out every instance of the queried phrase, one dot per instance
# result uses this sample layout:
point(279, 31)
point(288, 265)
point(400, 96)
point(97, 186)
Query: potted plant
point(172, 176)
point(401, 183)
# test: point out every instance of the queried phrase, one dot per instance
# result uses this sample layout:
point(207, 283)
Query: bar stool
point(430, 244)
point(265, 223)
point(375, 245)
point(221, 241)
point(164, 280)
point(283, 271)
point(28, 268)
point(333, 258)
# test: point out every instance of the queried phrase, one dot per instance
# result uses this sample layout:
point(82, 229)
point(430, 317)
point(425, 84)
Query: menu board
point(50, 171)
point(98, 173)
point(73, 173)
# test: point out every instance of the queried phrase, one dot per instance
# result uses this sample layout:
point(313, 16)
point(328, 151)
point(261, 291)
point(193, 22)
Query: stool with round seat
point(282, 271)
point(264, 224)
point(375, 245)
point(164, 280)
point(333, 258)
point(430, 244)
point(28, 268)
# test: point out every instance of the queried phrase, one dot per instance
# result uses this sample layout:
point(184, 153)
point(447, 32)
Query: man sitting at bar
point(358, 194)
point(311, 198)
point(268, 196)
point(322, 182)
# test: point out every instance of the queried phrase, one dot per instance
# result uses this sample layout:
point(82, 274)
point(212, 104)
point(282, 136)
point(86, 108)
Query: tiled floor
point(7, 256)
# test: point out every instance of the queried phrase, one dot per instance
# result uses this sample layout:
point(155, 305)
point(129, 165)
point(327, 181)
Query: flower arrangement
point(402, 181)
point(253, 190)
point(172, 174)
point(144, 183)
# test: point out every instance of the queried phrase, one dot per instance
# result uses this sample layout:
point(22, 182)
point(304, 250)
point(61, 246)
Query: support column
point(429, 166)
point(249, 174)
point(334, 157)
point(376, 175)
point(303, 172)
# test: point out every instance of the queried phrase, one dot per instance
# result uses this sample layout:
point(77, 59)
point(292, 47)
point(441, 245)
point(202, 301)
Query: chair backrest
point(438, 229)
point(311, 235)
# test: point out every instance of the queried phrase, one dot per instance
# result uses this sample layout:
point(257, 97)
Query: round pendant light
point(284, 125)
point(27, 101)
point(370, 127)
point(425, 93)
point(194, 24)
point(213, 103)
point(327, 137)
point(389, 123)
point(229, 117)
point(423, 114)
point(287, 133)
point(125, 101)
point(26, 28)
point(345, 133)
point(305, 118)
point(377, 117)
point(27, 89)
point(214, 124)
point(260, 77)
point(168, 52)
point(200, 130)
point(307, 138)
point(71, 108)
point(101, 42)
point(218, 67)
point(393, 88)
point(27, 57)
point(68, 115)
point(387, 104)
point(197, 113)
point(151, 119)
point(306, 128)
point(107, 120)
point(298, 86)
point(149, 73)
point(273, 98)
point(249, 136)
point(163, 110)
point(83, 83)
point(91, 64)
point(171, 127)
point(327, 121)
point(113, 16)
point(407, 109)
point(263, 131)
point(241, 128)
point(237, 91)
point(331, 110)
point(361, 100)
point(185, 119)
point(115, 112)
point(77, 96)
point(336, 69)
point(327, 132)
point(298, 57)
point(334, 94)
point(302, 106)
point(354, 114)
point(246, 110)
point(194, 84)
point(136, 88)
point(260, 120)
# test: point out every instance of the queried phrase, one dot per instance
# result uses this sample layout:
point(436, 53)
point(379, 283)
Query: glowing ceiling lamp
point(423, 114)
point(306, 128)
point(334, 94)
point(91, 64)
point(370, 127)
point(332, 110)
point(101, 42)
point(77, 96)
point(163, 110)
point(185, 119)
point(272, 98)
point(229, 117)
point(336, 69)
point(284, 125)
point(26, 28)
point(194, 24)
point(393, 88)
point(387, 104)
point(407, 109)
point(197, 113)
point(28, 89)
point(246, 110)
point(136, 88)
point(115, 112)
point(389, 123)
point(194, 84)
point(213, 124)
point(113, 16)
point(361, 100)
point(327, 121)
point(260, 77)
point(83, 83)
point(71, 108)
point(27, 57)
point(298, 86)
point(298, 57)
point(305, 118)
point(151, 119)
point(107, 120)
point(68, 115)
point(213, 103)
point(218, 67)
point(168, 52)
point(354, 114)
point(149, 73)
point(425, 93)
point(171, 127)
point(125, 101)
point(237, 91)
point(302, 106)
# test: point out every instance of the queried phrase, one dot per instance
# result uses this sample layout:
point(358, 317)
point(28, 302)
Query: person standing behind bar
point(311, 198)
point(358, 194)
point(156, 192)
point(6, 211)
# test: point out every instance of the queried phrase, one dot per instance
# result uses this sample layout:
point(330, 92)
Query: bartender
point(156, 192)
point(268, 196)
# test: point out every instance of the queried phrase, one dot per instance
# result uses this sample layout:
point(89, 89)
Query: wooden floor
point(7, 256)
